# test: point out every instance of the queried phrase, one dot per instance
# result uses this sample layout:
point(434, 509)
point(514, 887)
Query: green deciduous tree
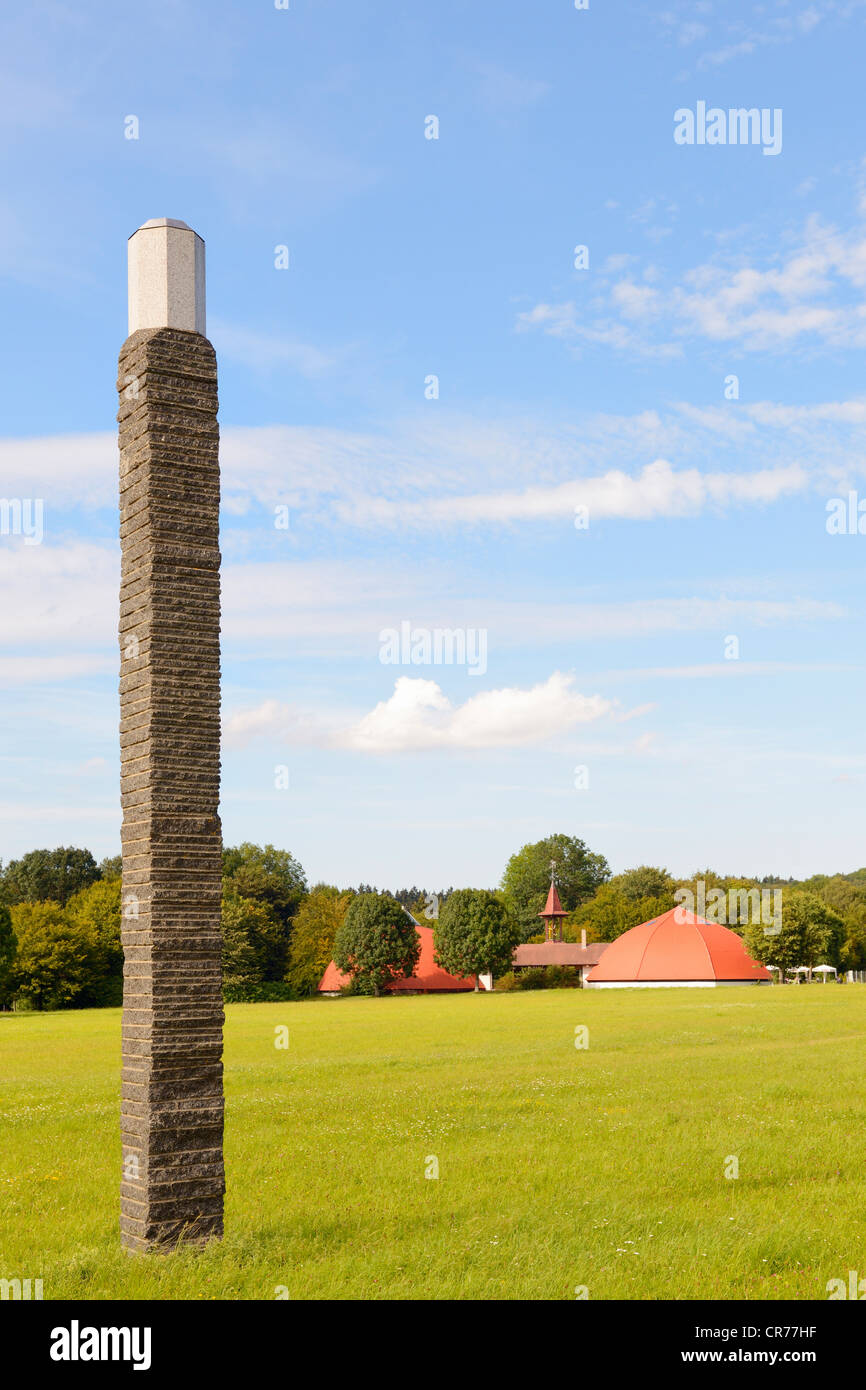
point(637, 895)
point(273, 877)
point(611, 912)
point(313, 934)
point(475, 934)
point(8, 945)
point(846, 894)
point(48, 875)
point(95, 912)
point(111, 867)
point(646, 881)
point(811, 934)
point(376, 943)
point(54, 962)
point(253, 940)
point(525, 883)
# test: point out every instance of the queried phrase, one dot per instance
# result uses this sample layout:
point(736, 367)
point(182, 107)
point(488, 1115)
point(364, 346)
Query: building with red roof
point(677, 948)
point(429, 978)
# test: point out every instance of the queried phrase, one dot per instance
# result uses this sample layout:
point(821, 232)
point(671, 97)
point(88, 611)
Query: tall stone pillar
point(172, 1093)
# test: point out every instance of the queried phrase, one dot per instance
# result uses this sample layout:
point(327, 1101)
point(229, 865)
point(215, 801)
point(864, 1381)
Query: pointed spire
point(553, 909)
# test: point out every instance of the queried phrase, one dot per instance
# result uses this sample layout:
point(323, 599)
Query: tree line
point(60, 921)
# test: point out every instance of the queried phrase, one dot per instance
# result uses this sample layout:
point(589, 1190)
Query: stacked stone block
point(172, 1084)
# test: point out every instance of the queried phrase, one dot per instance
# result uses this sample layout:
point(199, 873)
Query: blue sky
point(559, 388)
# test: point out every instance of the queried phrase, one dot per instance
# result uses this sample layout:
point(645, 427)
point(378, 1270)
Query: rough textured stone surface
point(172, 1091)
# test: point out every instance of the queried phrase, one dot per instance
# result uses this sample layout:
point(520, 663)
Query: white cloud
point(340, 608)
point(419, 716)
point(426, 472)
point(272, 719)
point(812, 294)
point(52, 670)
point(61, 602)
point(658, 490)
point(643, 617)
point(792, 419)
point(713, 670)
point(58, 597)
point(559, 320)
point(14, 813)
point(78, 468)
point(635, 301)
point(735, 32)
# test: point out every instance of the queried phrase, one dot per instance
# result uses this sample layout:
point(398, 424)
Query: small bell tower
point(553, 910)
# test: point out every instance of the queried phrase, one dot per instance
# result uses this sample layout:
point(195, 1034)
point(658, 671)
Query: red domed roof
point(677, 946)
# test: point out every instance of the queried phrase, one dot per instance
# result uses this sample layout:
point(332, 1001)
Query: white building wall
point(668, 984)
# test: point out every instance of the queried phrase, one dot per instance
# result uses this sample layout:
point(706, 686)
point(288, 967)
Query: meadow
point(559, 1167)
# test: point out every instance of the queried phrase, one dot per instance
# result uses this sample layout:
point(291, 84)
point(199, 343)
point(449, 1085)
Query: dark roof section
point(559, 953)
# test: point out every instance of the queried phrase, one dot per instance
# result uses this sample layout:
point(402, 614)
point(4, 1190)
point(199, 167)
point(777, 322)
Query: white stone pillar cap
point(166, 277)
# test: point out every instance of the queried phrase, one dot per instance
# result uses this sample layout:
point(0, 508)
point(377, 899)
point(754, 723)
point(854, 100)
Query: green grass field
point(558, 1167)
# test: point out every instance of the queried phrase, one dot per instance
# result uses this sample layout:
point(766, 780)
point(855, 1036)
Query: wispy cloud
point(61, 468)
point(52, 670)
point(343, 608)
point(721, 34)
point(503, 92)
point(723, 670)
point(256, 153)
point(812, 295)
point(58, 598)
point(423, 472)
point(657, 491)
point(265, 352)
point(63, 599)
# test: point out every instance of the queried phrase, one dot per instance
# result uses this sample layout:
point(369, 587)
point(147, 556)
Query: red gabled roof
point(677, 946)
point(553, 907)
point(428, 977)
